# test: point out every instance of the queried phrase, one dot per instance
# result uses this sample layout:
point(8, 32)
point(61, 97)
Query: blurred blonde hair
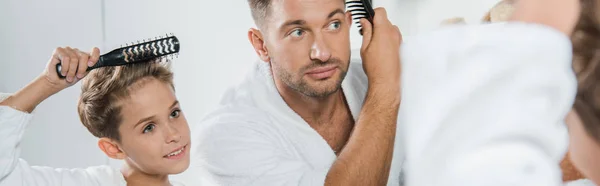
point(453, 21)
point(500, 12)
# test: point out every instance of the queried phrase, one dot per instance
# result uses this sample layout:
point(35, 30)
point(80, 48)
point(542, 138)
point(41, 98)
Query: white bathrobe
point(17, 172)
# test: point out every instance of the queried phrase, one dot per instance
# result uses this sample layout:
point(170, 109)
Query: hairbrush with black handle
point(141, 52)
point(360, 9)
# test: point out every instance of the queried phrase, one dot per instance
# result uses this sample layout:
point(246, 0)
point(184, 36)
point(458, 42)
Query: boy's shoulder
point(3, 96)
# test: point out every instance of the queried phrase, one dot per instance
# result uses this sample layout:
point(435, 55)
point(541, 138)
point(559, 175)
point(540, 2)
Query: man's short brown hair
point(103, 90)
point(261, 10)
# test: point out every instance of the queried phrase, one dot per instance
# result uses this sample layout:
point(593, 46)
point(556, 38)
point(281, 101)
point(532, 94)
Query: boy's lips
point(177, 153)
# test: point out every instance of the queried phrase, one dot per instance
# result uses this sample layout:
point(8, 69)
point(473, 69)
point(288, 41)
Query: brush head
point(151, 49)
point(165, 46)
point(360, 9)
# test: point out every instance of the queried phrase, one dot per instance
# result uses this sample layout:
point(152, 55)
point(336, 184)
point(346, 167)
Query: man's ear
point(258, 43)
point(111, 148)
point(348, 16)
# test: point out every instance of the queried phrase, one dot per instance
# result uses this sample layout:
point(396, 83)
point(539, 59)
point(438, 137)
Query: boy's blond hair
point(103, 90)
point(500, 12)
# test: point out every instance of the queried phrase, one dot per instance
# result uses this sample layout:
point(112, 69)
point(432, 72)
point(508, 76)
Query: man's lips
point(322, 72)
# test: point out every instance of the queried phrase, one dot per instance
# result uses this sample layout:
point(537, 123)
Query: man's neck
point(135, 177)
point(315, 110)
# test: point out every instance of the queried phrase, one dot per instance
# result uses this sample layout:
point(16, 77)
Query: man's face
point(308, 44)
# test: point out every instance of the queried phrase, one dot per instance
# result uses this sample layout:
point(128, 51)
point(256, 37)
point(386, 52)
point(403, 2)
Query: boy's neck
point(135, 177)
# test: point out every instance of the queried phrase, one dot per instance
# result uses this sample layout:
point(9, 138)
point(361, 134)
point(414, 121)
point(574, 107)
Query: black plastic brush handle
point(364, 5)
point(369, 9)
point(370, 13)
point(135, 53)
point(112, 58)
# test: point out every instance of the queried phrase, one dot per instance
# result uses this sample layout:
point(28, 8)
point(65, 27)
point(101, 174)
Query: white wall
point(30, 30)
point(431, 12)
point(215, 53)
point(415, 16)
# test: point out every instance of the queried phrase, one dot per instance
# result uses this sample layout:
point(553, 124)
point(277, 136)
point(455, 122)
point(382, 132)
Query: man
point(308, 115)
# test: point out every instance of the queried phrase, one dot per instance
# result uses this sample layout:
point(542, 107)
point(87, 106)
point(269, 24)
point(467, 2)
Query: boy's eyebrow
point(174, 104)
point(144, 120)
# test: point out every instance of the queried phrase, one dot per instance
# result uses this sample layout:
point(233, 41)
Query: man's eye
point(297, 33)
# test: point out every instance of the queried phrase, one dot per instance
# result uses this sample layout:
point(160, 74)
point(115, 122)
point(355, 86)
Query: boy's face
point(155, 136)
point(584, 151)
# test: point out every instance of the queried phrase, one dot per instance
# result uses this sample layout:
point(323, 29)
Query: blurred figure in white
point(486, 104)
point(581, 148)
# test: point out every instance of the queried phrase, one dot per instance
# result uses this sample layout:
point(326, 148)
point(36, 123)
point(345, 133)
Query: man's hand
point(375, 129)
point(380, 50)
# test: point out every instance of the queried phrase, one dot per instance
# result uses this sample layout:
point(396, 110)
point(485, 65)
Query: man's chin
point(322, 90)
point(321, 87)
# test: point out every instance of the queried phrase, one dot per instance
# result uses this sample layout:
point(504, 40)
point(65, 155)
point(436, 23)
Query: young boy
point(132, 109)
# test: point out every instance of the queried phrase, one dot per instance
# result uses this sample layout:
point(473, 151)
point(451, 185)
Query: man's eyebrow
point(336, 11)
point(293, 22)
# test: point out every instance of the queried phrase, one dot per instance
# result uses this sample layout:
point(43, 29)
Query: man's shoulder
point(236, 120)
point(230, 127)
point(236, 115)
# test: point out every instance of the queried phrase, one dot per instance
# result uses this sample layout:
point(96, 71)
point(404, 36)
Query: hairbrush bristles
point(151, 49)
point(164, 47)
point(360, 9)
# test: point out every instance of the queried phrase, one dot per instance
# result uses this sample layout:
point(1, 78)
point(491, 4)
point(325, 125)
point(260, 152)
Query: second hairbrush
point(159, 47)
point(360, 9)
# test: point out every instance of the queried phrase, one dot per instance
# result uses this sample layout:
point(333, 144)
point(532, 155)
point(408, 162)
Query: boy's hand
point(74, 66)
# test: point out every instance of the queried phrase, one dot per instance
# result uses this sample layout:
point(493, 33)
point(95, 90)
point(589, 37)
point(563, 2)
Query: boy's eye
point(175, 113)
point(149, 128)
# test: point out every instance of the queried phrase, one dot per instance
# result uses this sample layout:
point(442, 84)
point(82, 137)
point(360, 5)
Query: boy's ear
point(111, 148)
